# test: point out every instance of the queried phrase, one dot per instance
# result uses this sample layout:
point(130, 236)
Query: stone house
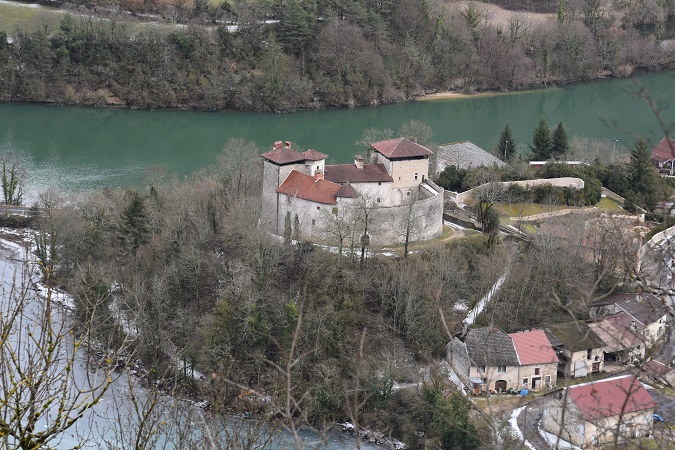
point(488, 359)
point(658, 372)
point(650, 314)
point(662, 156)
point(393, 187)
point(623, 337)
point(579, 348)
point(592, 414)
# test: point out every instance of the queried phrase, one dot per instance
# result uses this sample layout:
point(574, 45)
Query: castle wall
point(310, 214)
point(271, 181)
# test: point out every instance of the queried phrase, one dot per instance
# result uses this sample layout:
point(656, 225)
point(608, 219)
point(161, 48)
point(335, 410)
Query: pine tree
point(506, 148)
point(541, 142)
point(642, 175)
point(559, 143)
point(133, 227)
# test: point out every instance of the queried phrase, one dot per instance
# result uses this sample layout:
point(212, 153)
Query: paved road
point(528, 422)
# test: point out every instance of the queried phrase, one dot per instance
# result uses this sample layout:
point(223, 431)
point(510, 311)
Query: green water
point(76, 148)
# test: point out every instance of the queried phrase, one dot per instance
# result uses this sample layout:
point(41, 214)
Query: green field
point(27, 17)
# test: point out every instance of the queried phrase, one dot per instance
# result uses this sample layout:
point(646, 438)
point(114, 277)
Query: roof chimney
point(318, 175)
point(277, 145)
point(288, 145)
point(358, 161)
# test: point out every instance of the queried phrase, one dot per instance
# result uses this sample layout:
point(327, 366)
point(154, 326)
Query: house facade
point(651, 316)
point(489, 360)
point(592, 414)
point(391, 195)
point(580, 350)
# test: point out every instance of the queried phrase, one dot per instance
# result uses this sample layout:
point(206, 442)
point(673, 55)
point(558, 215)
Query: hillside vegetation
point(292, 54)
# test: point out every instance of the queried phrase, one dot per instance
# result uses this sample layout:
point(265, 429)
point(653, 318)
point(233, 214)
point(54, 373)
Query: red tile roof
point(611, 397)
point(661, 152)
point(313, 155)
point(283, 156)
point(347, 191)
point(298, 184)
point(533, 347)
point(400, 148)
point(349, 173)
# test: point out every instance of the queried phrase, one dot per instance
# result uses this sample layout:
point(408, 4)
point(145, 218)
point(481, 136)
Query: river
point(77, 148)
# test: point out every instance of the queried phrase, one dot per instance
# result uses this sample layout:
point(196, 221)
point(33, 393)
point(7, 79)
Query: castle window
point(379, 183)
point(415, 175)
point(399, 178)
point(378, 199)
point(313, 222)
point(318, 207)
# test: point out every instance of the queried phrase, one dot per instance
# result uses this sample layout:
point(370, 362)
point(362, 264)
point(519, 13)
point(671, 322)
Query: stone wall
point(572, 182)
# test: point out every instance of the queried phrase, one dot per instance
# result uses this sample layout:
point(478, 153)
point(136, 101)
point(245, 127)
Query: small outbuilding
point(580, 349)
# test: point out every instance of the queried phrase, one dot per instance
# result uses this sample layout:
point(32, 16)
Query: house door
point(500, 385)
point(536, 383)
point(596, 367)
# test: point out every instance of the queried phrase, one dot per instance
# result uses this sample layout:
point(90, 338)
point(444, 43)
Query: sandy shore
point(453, 94)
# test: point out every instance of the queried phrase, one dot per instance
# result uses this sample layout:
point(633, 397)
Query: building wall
point(492, 375)
point(582, 355)
point(588, 433)
point(310, 214)
point(271, 181)
point(459, 359)
point(656, 329)
point(529, 372)
point(403, 172)
point(371, 192)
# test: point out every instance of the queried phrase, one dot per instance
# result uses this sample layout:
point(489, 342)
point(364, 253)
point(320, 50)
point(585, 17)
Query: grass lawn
point(516, 210)
point(27, 17)
point(607, 204)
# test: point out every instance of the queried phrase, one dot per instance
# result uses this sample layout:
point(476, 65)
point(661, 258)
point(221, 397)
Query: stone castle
point(393, 188)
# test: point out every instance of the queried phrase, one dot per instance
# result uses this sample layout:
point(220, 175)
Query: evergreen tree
point(133, 227)
point(559, 143)
point(643, 176)
point(296, 25)
point(541, 142)
point(296, 228)
point(506, 148)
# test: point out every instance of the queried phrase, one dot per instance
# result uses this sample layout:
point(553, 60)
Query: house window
point(588, 354)
point(501, 369)
point(318, 167)
point(399, 178)
point(484, 380)
point(481, 369)
point(536, 371)
point(525, 381)
point(415, 175)
point(547, 379)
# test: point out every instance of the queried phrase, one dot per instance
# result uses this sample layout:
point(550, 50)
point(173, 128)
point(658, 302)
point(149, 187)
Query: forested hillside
point(292, 54)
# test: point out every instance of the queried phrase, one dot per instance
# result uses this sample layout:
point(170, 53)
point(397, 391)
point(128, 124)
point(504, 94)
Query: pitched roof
point(349, 173)
point(283, 156)
point(490, 346)
point(661, 152)
point(347, 191)
point(617, 331)
point(656, 368)
point(313, 155)
point(610, 397)
point(464, 155)
point(645, 308)
point(574, 336)
point(400, 148)
point(298, 184)
point(533, 347)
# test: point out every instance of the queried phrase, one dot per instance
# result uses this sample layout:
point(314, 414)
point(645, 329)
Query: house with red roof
point(663, 156)
point(490, 360)
point(596, 413)
point(376, 195)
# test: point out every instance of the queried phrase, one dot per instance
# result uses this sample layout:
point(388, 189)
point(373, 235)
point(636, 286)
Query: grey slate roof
point(464, 155)
point(574, 336)
point(490, 346)
point(646, 308)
